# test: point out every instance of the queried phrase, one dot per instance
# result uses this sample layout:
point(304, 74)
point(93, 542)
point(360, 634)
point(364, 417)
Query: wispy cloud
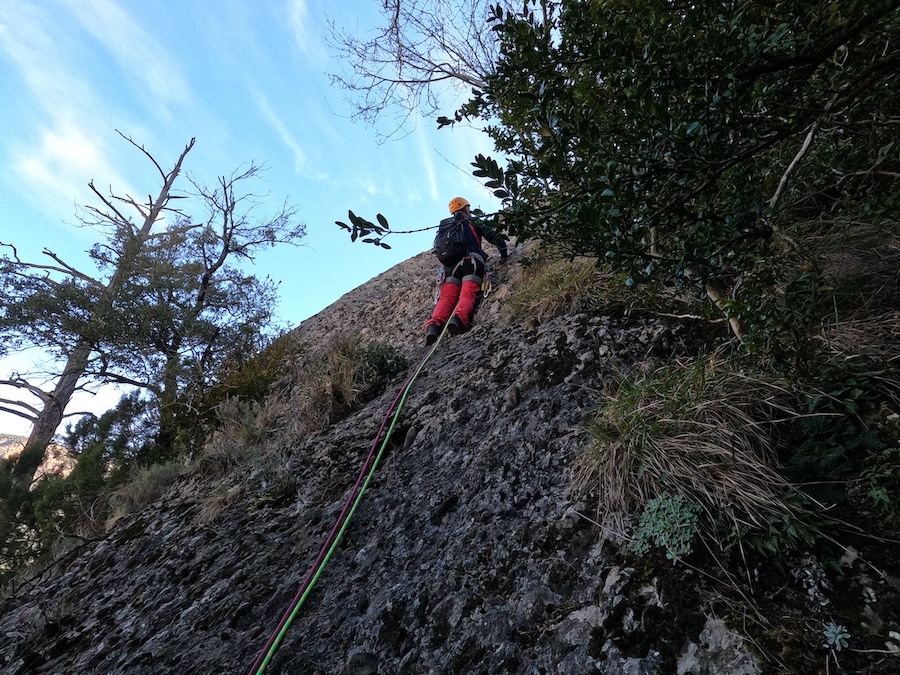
point(426, 156)
point(64, 151)
point(302, 165)
point(304, 29)
point(59, 152)
point(36, 55)
point(69, 139)
point(142, 58)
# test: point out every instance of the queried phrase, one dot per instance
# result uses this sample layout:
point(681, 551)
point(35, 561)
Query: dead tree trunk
point(51, 415)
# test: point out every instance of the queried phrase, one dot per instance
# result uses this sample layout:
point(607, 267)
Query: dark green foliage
point(776, 536)
point(879, 484)
point(115, 440)
point(668, 521)
point(360, 227)
point(830, 448)
point(380, 362)
point(674, 116)
point(243, 375)
point(16, 525)
point(252, 376)
point(107, 449)
point(685, 142)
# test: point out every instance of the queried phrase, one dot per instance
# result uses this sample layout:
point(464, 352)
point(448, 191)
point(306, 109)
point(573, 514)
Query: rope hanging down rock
point(337, 532)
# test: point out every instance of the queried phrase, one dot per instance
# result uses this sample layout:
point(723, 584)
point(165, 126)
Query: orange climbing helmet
point(458, 203)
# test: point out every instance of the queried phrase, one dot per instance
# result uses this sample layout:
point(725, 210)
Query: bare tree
point(196, 307)
point(422, 50)
point(49, 412)
point(166, 307)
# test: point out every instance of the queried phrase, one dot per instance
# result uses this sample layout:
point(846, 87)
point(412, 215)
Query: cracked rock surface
point(469, 552)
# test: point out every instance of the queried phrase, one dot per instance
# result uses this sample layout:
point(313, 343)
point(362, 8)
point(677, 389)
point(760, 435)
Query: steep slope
point(469, 552)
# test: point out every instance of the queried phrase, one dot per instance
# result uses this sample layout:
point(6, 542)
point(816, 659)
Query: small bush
point(698, 432)
point(879, 484)
point(147, 485)
point(253, 377)
point(380, 363)
point(833, 296)
point(242, 427)
point(326, 384)
point(669, 521)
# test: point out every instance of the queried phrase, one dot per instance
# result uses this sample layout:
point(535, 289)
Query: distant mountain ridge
point(59, 459)
point(10, 445)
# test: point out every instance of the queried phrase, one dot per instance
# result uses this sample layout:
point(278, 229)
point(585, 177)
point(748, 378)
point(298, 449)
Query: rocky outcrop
point(58, 460)
point(469, 553)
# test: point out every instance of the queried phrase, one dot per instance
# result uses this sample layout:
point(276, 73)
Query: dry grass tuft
point(551, 287)
point(146, 486)
point(861, 261)
point(217, 502)
point(324, 385)
point(875, 337)
point(698, 430)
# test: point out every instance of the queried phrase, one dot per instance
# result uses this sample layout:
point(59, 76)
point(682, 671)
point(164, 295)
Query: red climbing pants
point(467, 298)
point(445, 304)
point(459, 293)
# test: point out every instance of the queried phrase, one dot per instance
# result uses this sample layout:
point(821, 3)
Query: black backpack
point(450, 245)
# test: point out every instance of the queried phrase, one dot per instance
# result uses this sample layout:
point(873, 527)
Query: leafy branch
point(360, 227)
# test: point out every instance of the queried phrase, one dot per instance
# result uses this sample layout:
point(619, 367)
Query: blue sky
point(249, 81)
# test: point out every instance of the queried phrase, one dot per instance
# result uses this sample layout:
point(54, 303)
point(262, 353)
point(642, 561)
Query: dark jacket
point(480, 231)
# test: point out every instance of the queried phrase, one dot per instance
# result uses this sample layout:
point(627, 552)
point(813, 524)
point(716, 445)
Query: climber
point(458, 247)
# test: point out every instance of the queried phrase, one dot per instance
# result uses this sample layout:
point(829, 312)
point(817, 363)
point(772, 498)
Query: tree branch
point(147, 154)
point(30, 418)
point(20, 383)
point(64, 267)
point(794, 162)
point(116, 378)
point(67, 268)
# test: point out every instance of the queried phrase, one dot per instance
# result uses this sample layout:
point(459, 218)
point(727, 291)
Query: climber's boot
point(432, 333)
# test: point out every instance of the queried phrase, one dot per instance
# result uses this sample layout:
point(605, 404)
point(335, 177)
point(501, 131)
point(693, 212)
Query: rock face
point(58, 459)
point(469, 552)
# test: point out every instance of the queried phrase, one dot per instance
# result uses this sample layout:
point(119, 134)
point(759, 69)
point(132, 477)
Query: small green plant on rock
point(836, 636)
point(669, 521)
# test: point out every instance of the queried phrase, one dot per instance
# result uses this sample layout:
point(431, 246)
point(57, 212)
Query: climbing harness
point(362, 482)
point(487, 285)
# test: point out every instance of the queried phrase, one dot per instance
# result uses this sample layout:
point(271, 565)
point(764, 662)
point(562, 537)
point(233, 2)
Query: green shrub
point(669, 521)
point(380, 363)
point(147, 485)
point(879, 484)
point(698, 431)
point(830, 448)
point(253, 378)
point(17, 532)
